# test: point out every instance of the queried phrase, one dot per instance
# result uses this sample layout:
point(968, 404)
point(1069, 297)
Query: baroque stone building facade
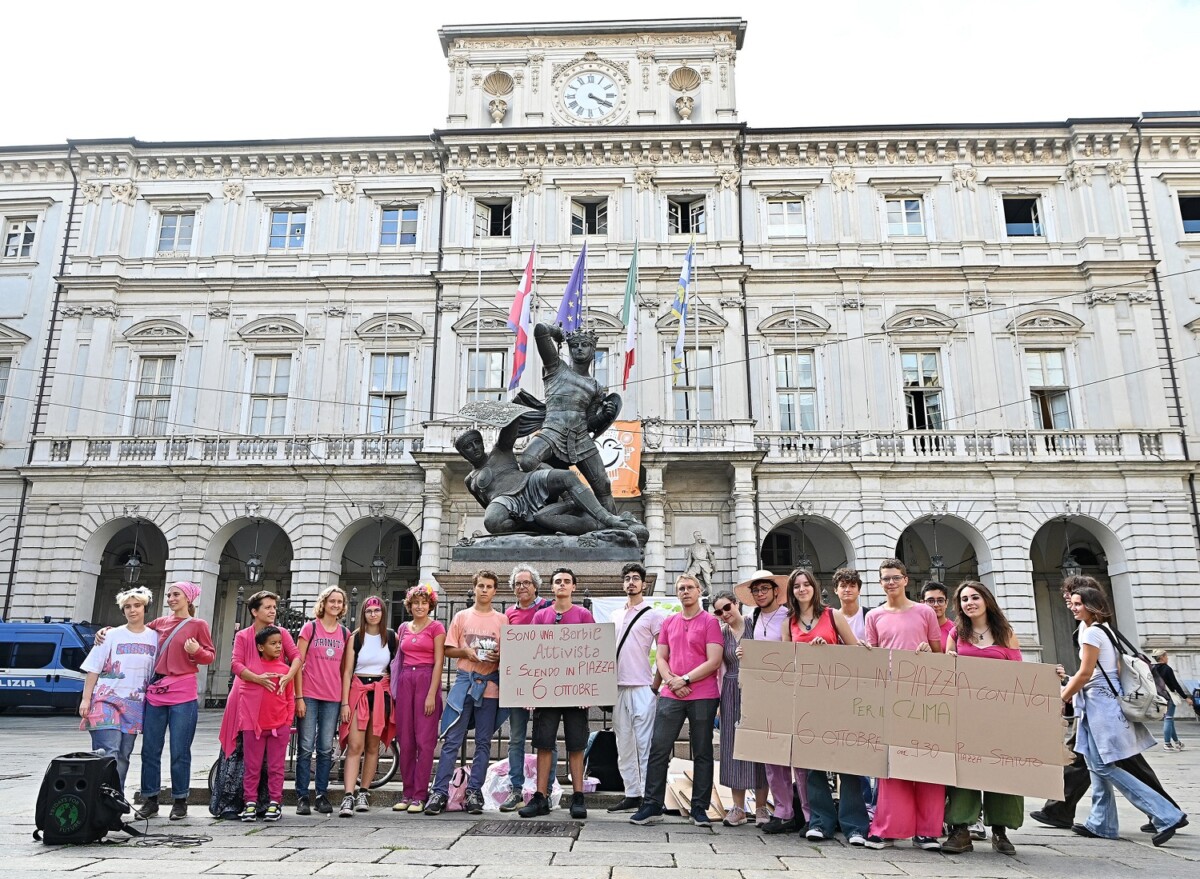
point(971, 346)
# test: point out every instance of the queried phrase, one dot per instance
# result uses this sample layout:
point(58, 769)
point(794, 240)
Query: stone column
point(434, 497)
point(653, 497)
point(743, 518)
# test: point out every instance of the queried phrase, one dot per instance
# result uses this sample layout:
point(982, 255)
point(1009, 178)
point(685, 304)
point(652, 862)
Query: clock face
point(591, 96)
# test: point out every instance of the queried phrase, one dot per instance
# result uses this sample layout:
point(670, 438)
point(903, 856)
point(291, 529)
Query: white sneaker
point(814, 834)
point(761, 816)
point(978, 831)
point(856, 839)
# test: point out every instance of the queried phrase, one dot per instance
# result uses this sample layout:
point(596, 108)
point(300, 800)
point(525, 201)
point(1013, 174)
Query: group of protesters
point(371, 685)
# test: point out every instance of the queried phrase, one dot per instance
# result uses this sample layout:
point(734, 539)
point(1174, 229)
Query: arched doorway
point(938, 548)
point(807, 541)
point(257, 549)
point(389, 541)
point(1057, 543)
point(134, 538)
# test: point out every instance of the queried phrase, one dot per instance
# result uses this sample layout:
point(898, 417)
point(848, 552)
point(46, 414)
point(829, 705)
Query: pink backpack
point(456, 800)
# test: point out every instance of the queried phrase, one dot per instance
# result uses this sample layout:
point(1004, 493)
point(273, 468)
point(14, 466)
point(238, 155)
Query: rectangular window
point(18, 238)
point(387, 405)
point(5, 369)
point(1022, 219)
point(785, 218)
point(904, 217)
point(796, 391)
point(152, 402)
point(1046, 373)
point(288, 229)
point(269, 394)
point(777, 551)
point(600, 367)
point(685, 217)
point(589, 217)
point(175, 232)
point(694, 392)
point(486, 377)
point(1189, 212)
point(399, 226)
point(493, 219)
point(922, 389)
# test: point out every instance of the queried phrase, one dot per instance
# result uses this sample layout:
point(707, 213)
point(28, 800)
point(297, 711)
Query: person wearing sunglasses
point(934, 595)
point(738, 775)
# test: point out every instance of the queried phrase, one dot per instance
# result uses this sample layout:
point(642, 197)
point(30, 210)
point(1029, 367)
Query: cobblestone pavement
point(383, 844)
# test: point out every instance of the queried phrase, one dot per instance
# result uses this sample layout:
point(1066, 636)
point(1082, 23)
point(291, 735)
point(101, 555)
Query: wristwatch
point(687, 679)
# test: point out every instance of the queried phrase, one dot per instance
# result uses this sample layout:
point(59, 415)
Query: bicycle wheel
point(386, 766)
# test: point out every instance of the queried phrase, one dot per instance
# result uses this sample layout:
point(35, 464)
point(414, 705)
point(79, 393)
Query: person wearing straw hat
point(765, 592)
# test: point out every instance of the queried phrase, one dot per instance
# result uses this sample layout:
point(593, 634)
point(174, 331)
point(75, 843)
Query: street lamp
point(254, 564)
point(937, 563)
point(803, 562)
point(1070, 565)
point(379, 567)
point(133, 566)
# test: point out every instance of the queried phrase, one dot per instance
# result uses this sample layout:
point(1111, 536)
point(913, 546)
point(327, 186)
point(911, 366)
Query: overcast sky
point(221, 70)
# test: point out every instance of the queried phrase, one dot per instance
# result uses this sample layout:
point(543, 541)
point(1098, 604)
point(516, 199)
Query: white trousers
point(633, 723)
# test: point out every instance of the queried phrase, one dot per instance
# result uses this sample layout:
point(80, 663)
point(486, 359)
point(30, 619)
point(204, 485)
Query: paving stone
point(167, 865)
point(738, 861)
point(330, 855)
point(517, 871)
point(450, 857)
point(672, 873)
point(511, 845)
point(242, 867)
point(627, 857)
point(834, 868)
point(374, 871)
point(643, 847)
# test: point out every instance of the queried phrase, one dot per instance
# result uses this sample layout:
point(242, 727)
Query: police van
point(40, 663)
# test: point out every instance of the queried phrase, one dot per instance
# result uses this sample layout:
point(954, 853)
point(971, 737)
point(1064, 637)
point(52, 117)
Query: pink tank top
point(992, 651)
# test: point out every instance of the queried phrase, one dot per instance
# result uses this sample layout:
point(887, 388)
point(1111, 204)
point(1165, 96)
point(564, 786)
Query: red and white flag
point(518, 321)
point(629, 315)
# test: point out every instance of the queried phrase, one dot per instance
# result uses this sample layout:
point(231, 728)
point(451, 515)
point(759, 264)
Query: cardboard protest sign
point(976, 723)
point(568, 665)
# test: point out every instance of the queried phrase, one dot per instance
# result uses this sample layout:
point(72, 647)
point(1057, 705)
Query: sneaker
point(323, 805)
point(700, 817)
point(857, 840)
point(250, 813)
point(650, 813)
point(538, 805)
point(303, 806)
point(416, 807)
point(513, 801)
point(1001, 843)
point(815, 834)
point(347, 810)
point(578, 806)
point(1179, 746)
point(473, 802)
point(1169, 746)
point(735, 817)
point(762, 815)
point(778, 825)
point(401, 805)
point(362, 802)
point(1042, 818)
point(1148, 827)
point(957, 842)
point(928, 843)
point(436, 804)
point(627, 804)
point(148, 808)
point(978, 831)
point(178, 810)
point(274, 812)
point(1163, 836)
point(878, 842)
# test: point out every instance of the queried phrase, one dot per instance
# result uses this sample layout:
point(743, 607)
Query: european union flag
point(570, 310)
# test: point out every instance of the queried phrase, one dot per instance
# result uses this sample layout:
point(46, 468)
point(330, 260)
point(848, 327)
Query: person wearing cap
point(1166, 675)
point(416, 675)
point(766, 593)
point(173, 698)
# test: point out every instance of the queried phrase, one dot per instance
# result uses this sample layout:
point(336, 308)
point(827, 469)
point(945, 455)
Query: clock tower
point(593, 74)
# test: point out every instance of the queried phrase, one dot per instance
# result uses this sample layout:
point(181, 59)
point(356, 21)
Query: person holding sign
point(546, 720)
point(937, 597)
point(1104, 735)
point(984, 631)
point(690, 646)
point(810, 622)
point(905, 808)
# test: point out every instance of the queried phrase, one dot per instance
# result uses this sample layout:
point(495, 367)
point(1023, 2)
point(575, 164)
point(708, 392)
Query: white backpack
point(1138, 695)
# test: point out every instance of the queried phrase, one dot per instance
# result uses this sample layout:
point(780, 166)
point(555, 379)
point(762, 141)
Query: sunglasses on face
point(724, 610)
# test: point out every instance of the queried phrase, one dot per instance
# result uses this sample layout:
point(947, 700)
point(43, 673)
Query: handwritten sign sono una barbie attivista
point(568, 665)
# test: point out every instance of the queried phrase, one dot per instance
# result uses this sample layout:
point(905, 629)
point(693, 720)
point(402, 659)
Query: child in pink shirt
point(269, 738)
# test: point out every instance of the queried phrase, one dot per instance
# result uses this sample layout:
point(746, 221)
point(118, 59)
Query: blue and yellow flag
point(679, 308)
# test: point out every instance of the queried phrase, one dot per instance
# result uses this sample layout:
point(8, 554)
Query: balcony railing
point(201, 450)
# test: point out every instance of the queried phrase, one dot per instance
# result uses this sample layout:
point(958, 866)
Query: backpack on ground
point(226, 798)
point(600, 760)
point(80, 800)
point(1138, 696)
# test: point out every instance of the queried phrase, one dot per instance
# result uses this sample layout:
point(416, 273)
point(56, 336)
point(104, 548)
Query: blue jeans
point(115, 743)
point(851, 814)
point(1105, 776)
point(182, 722)
point(1169, 734)
point(484, 716)
point(518, 726)
point(317, 729)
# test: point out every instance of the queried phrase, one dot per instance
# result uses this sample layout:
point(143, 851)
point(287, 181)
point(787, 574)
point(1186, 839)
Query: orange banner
point(621, 451)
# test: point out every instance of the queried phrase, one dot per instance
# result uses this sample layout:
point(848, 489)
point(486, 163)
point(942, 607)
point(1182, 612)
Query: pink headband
point(372, 602)
point(191, 591)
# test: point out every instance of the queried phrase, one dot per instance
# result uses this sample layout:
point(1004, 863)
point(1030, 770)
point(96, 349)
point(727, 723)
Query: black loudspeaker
point(80, 800)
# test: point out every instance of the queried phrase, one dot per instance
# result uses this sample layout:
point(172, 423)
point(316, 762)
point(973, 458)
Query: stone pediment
point(1044, 322)
point(920, 321)
point(157, 331)
point(710, 321)
point(385, 327)
point(788, 324)
point(10, 339)
point(486, 320)
point(272, 330)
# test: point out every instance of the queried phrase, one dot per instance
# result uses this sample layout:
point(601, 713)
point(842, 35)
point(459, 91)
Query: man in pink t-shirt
point(690, 648)
point(936, 597)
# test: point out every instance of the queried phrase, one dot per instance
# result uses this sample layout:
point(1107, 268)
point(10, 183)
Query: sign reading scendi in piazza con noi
point(982, 724)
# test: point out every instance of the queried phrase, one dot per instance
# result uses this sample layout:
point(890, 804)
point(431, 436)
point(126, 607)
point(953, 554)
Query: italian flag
point(629, 315)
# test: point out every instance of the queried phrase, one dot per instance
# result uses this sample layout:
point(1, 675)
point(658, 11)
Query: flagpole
point(696, 327)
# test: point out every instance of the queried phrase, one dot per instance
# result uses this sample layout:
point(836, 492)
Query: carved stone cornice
point(136, 164)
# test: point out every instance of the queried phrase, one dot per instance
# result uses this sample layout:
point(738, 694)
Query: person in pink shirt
point(416, 674)
point(322, 646)
point(905, 808)
point(934, 594)
point(267, 741)
point(546, 720)
point(690, 649)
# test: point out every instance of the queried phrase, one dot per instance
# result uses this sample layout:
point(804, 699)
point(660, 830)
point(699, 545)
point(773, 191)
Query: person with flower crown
point(416, 674)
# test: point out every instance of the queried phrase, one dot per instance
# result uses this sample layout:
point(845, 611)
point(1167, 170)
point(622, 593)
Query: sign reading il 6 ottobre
point(569, 665)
